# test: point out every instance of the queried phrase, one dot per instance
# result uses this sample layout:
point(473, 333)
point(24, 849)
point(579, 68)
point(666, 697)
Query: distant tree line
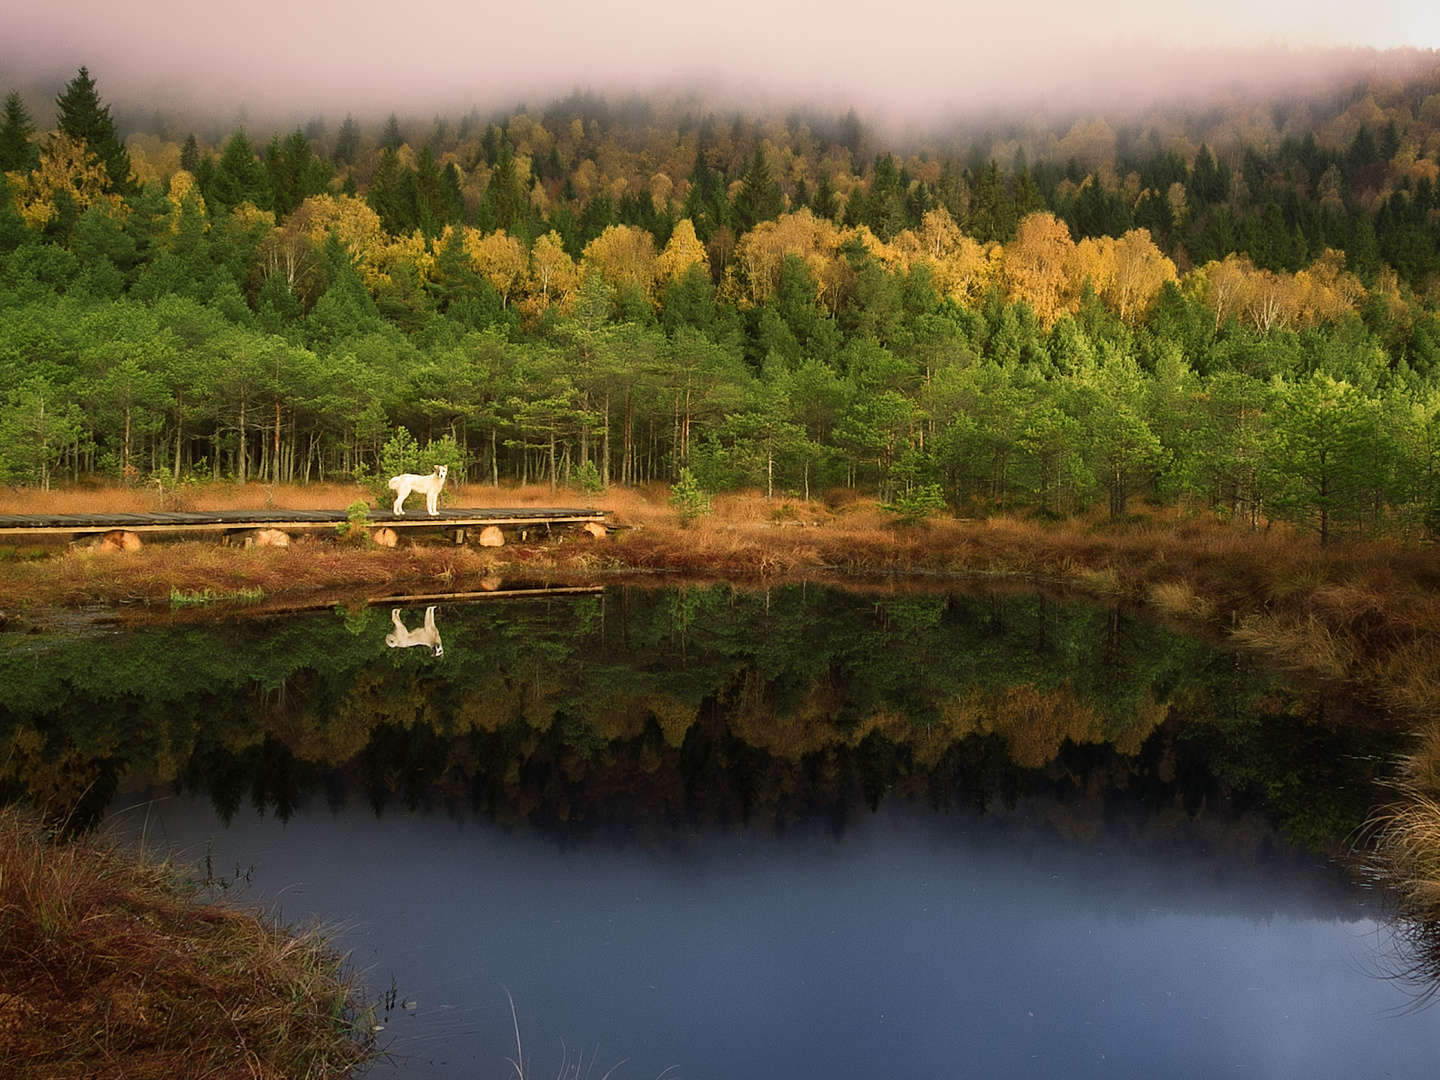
point(587, 287)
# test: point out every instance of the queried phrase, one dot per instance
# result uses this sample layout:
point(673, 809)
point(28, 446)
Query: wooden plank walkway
point(225, 521)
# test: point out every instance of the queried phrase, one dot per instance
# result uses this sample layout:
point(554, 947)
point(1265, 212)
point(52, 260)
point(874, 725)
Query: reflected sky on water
point(913, 944)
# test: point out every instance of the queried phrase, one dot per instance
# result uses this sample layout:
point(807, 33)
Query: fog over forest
point(935, 60)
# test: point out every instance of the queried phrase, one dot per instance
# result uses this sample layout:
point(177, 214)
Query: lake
point(713, 834)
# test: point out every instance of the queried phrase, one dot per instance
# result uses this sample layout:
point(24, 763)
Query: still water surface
point(719, 835)
point(913, 945)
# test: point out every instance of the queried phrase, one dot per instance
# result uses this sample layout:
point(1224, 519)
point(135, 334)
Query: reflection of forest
point(702, 704)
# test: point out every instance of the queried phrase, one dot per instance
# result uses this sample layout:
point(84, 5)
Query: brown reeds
point(1399, 853)
point(109, 967)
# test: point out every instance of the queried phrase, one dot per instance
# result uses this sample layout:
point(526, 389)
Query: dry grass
point(1178, 599)
point(1399, 852)
point(108, 967)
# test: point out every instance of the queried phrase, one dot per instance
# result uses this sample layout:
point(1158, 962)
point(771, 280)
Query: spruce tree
point(1209, 182)
point(239, 177)
point(82, 117)
point(391, 194)
point(505, 198)
point(801, 199)
point(190, 154)
point(952, 191)
point(885, 203)
point(347, 141)
point(705, 203)
point(17, 153)
point(391, 139)
point(1028, 197)
point(824, 204)
point(759, 198)
point(1362, 150)
point(991, 213)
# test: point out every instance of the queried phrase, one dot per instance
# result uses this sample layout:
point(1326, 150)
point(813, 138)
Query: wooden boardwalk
point(228, 521)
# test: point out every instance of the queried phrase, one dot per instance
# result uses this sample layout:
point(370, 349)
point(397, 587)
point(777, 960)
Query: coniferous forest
point(1229, 306)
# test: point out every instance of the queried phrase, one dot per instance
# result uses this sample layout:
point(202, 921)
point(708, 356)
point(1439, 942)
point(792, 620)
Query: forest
point(1231, 308)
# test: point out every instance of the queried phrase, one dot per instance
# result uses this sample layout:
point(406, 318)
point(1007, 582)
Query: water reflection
point(425, 634)
point(698, 705)
point(764, 767)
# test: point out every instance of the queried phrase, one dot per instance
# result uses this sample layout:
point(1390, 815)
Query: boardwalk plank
point(223, 520)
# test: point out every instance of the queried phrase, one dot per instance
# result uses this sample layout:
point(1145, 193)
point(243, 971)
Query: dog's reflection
point(421, 635)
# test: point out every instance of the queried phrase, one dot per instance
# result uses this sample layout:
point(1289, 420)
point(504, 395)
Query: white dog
point(405, 483)
point(421, 635)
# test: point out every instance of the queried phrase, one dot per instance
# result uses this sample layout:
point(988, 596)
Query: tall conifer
point(81, 116)
point(17, 154)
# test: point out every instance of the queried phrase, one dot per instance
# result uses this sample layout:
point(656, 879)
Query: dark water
point(763, 834)
point(915, 945)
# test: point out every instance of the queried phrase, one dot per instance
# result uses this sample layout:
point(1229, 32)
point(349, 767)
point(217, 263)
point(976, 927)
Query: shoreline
point(1364, 611)
point(110, 955)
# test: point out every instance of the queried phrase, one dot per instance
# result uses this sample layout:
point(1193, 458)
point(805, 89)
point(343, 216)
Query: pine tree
point(17, 153)
point(81, 116)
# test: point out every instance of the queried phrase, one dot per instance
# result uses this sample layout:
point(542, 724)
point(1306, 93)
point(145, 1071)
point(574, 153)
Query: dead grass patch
point(1304, 644)
point(1178, 599)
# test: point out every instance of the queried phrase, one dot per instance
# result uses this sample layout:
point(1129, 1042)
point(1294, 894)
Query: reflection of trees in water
point(691, 705)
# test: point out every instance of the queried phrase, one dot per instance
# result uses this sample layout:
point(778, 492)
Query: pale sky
point(920, 57)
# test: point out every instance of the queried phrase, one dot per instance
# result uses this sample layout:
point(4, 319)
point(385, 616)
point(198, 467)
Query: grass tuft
point(109, 966)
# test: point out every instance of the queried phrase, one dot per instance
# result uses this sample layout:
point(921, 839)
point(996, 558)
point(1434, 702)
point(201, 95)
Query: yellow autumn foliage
point(554, 277)
point(961, 269)
point(762, 251)
point(624, 255)
point(67, 165)
point(410, 249)
point(1037, 267)
point(182, 187)
point(1035, 725)
point(1127, 273)
point(498, 257)
point(354, 224)
point(1234, 287)
point(683, 251)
